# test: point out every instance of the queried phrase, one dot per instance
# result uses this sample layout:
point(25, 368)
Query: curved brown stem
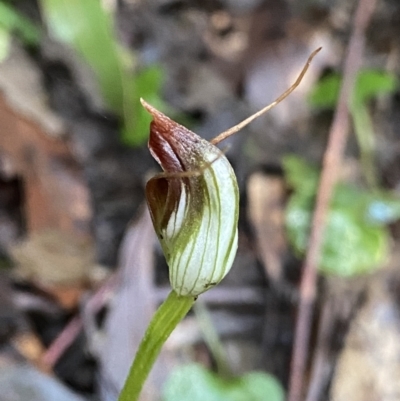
point(284, 95)
point(331, 164)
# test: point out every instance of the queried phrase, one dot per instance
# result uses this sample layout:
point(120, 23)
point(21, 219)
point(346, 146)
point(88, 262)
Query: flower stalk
point(164, 321)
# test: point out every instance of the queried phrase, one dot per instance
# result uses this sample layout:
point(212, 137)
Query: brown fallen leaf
point(53, 258)
point(266, 195)
point(58, 263)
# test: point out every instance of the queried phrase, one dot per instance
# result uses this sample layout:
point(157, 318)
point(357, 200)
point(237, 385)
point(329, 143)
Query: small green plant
point(194, 206)
point(88, 28)
point(194, 382)
point(369, 85)
point(12, 22)
point(356, 237)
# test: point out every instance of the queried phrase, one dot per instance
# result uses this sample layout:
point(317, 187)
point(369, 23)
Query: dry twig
point(331, 164)
point(71, 331)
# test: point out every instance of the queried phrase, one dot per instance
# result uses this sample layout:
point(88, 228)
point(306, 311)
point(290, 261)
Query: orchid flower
point(194, 206)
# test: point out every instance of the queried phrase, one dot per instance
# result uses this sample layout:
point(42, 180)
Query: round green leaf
point(352, 245)
point(195, 383)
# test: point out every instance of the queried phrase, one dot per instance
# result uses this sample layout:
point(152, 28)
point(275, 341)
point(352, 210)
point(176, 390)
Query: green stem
point(364, 130)
point(167, 317)
point(212, 340)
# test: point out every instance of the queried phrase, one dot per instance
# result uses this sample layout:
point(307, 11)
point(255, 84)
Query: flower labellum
point(194, 206)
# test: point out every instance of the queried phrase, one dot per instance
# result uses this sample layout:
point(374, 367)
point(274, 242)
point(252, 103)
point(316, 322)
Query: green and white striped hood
point(194, 206)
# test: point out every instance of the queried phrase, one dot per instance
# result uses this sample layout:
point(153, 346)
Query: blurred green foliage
point(12, 22)
point(146, 84)
point(195, 383)
point(356, 237)
point(369, 84)
point(5, 38)
point(88, 28)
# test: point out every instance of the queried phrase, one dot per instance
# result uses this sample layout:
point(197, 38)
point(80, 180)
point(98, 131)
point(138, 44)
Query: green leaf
point(372, 83)
point(147, 85)
point(326, 92)
point(12, 21)
point(350, 246)
point(4, 44)
point(300, 175)
point(86, 27)
point(356, 241)
point(195, 383)
point(369, 84)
